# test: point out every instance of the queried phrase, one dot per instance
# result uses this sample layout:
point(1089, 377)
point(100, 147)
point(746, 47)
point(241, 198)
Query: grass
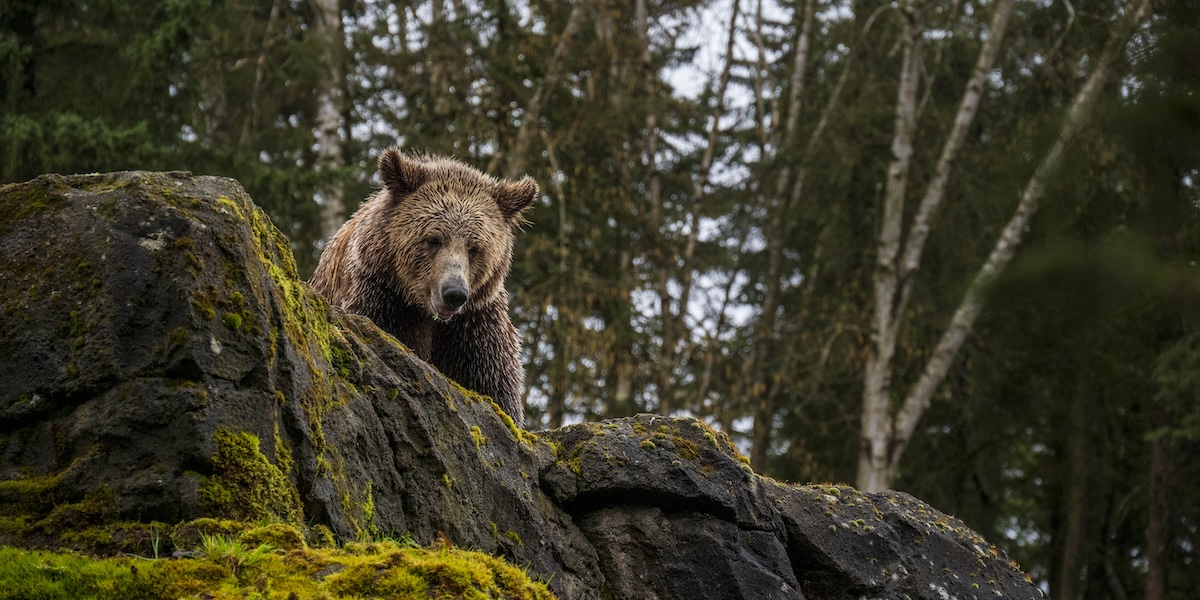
point(232, 553)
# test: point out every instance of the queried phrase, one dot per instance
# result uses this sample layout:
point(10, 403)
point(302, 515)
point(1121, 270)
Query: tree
point(329, 134)
point(886, 434)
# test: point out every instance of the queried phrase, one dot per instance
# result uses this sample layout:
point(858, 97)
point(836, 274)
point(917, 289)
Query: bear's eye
point(433, 242)
point(473, 251)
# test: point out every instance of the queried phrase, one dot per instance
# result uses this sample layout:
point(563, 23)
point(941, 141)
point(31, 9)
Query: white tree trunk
point(874, 450)
point(330, 142)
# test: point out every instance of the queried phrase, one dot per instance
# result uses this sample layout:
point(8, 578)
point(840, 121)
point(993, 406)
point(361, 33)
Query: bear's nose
point(454, 294)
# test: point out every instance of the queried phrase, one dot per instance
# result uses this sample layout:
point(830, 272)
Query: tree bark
point(330, 142)
point(556, 402)
point(875, 449)
point(1075, 502)
point(250, 125)
point(1159, 515)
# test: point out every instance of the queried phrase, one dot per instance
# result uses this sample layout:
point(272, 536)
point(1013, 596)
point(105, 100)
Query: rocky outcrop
point(160, 361)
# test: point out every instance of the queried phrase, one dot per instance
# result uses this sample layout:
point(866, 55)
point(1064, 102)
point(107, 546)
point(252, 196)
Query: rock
point(160, 362)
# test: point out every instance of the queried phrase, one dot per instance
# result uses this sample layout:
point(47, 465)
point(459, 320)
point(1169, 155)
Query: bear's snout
point(449, 298)
point(454, 294)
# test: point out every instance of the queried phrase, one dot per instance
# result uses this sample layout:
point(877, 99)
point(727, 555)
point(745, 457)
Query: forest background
point(946, 247)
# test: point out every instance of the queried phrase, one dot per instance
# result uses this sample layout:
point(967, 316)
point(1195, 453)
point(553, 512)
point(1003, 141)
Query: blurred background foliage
point(706, 243)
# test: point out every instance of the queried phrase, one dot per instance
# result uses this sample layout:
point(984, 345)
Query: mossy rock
point(170, 387)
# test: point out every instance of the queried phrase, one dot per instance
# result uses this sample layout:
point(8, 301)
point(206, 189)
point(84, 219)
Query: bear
point(425, 259)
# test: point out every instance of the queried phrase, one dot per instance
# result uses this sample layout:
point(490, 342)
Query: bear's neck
point(387, 308)
point(412, 325)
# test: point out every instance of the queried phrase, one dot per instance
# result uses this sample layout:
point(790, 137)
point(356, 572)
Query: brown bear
point(425, 258)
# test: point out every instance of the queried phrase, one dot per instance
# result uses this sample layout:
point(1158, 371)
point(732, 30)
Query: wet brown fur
point(436, 221)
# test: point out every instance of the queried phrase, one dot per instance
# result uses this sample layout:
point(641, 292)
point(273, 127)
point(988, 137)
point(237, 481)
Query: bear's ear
point(401, 175)
point(515, 197)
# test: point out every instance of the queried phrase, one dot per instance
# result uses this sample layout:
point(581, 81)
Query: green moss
point(509, 535)
point(74, 328)
point(95, 509)
point(283, 454)
point(277, 535)
point(178, 337)
point(245, 484)
point(343, 361)
point(522, 436)
point(13, 528)
point(204, 305)
point(233, 321)
point(368, 512)
point(575, 463)
point(189, 534)
point(194, 261)
point(20, 200)
point(227, 205)
point(393, 393)
point(685, 448)
point(320, 535)
point(233, 568)
point(478, 436)
point(28, 493)
point(647, 445)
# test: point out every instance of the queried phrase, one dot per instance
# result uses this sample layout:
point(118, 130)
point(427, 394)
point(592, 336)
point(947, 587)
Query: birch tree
point(331, 155)
point(887, 430)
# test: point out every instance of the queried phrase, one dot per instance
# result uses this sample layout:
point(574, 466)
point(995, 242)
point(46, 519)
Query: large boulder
point(161, 362)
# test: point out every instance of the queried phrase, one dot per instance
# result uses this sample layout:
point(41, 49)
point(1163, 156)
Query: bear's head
point(448, 230)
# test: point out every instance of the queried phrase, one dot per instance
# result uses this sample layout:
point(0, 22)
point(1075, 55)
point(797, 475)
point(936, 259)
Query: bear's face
point(450, 229)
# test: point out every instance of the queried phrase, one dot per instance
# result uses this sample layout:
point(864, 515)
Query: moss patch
point(19, 200)
point(246, 485)
point(477, 435)
point(234, 568)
